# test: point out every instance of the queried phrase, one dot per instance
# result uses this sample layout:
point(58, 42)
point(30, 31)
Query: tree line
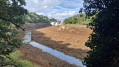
point(12, 15)
point(78, 19)
point(104, 40)
point(35, 18)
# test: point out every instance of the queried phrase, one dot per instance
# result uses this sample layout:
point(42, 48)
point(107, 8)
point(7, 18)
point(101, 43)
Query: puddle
point(56, 53)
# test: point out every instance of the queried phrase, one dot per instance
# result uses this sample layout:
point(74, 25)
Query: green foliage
point(104, 41)
point(24, 63)
point(15, 56)
point(11, 14)
point(35, 18)
point(53, 20)
point(78, 19)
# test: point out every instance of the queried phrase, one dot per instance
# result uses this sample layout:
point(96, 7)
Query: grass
point(17, 60)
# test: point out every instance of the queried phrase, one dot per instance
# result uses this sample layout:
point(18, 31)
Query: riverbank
point(38, 57)
point(41, 58)
point(68, 39)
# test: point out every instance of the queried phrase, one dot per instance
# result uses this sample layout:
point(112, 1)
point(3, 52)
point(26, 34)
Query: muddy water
point(56, 53)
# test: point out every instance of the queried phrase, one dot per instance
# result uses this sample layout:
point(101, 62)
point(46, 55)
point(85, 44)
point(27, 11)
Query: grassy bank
point(17, 60)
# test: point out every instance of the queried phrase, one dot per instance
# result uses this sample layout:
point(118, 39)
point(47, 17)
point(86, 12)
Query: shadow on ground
point(58, 45)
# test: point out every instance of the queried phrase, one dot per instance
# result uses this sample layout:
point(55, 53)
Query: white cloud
point(73, 4)
point(61, 14)
point(41, 5)
point(59, 9)
point(40, 13)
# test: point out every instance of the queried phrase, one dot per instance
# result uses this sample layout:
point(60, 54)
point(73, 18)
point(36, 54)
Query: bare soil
point(32, 26)
point(42, 59)
point(37, 56)
point(68, 39)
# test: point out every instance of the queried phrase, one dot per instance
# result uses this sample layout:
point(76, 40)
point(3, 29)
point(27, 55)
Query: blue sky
point(58, 9)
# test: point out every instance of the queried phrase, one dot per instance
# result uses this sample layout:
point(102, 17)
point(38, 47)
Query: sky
point(58, 9)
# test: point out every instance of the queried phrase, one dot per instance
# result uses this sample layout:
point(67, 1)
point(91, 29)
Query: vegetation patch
point(35, 18)
point(78, 19)
point(14, 60)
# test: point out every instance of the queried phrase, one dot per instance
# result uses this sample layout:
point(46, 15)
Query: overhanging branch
point(11, 22)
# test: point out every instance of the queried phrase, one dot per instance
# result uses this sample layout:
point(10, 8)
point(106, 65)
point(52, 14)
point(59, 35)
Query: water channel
point(56, 53)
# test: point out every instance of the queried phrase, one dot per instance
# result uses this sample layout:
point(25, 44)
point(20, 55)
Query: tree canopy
point(78, 19)
point(35, 18)
point(12, 14)
point(53, 20)
point(104, 40)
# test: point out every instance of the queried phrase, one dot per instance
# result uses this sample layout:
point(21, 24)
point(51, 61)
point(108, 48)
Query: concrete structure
point(55, 23)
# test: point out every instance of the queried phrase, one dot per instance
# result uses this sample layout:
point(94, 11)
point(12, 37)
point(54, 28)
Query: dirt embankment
point(70, 40)
point(67, 39)
point(42, 59)
point(33, 26)
point(37, 56)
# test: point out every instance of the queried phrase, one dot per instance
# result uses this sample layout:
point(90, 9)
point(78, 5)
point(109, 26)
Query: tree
point(104, 40)
point(11, 14)
point(35, 18)
point(53, 20)
point(77, 19)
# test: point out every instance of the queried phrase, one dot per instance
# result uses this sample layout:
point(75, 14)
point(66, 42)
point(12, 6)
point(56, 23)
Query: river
point(56, 53)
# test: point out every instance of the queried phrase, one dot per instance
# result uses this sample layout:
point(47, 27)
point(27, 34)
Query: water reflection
point(27, 37)
point(58, 54)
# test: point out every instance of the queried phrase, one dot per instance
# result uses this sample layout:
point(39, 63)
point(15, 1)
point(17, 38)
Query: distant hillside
point(78, 19)
point(35, 18)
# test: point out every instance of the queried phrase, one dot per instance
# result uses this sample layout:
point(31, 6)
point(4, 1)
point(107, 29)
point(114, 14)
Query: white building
point(55, 23)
